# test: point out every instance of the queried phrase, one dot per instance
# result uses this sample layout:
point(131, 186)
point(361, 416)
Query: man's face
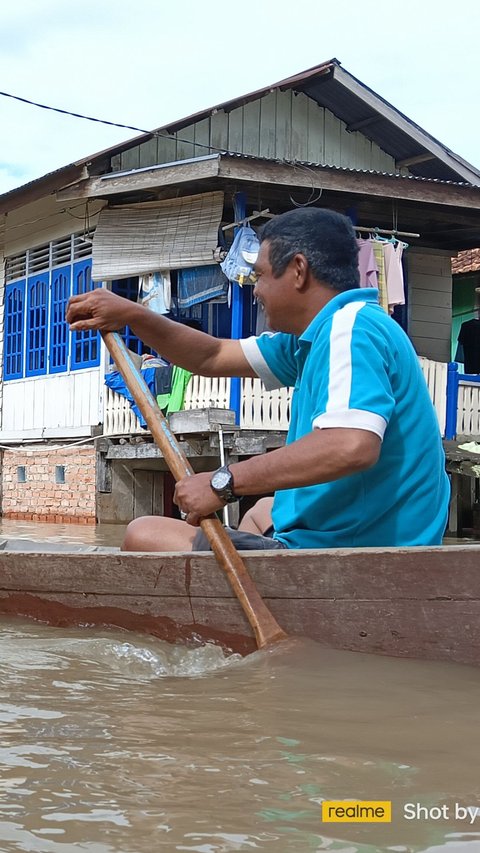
point(275, 294)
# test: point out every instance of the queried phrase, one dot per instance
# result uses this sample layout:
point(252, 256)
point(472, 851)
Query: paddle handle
point(266, 628)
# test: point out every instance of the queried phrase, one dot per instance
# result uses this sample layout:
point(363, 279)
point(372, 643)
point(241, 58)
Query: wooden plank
point(142, 493)
point(299, 136)
point(131, 159)
point(431, 314)
point(347, 157)
point(283, 125)
point(316, 133)
point(185, 139)
point(147, 153)
point(219, 130)
point(422, 296)
point(376, 574)
point(438, 350)
point(435, 331)
point(267, 125)
point(332, 139)
point(417, 602)
point(334, 179)
point(146, 180)
point(251, 128)
point(370, 99)
point(235, 130)
point(166, 149)
point(202, 137)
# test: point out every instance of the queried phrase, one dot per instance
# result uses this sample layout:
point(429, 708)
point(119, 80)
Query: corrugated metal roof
point(346, 169)
point(331, 87)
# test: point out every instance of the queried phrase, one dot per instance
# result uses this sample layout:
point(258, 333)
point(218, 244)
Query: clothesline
point(257, 214)
point(391, 231)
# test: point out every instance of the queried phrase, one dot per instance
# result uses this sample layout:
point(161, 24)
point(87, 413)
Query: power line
point(155, 134)
point(75, 115)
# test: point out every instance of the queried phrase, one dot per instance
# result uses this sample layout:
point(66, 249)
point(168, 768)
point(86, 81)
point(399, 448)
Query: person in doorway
point(363, 464)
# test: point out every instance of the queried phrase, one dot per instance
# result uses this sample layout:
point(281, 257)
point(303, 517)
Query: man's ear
point(300, 271)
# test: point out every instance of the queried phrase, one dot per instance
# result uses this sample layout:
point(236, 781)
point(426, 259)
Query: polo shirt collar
point(359, 294)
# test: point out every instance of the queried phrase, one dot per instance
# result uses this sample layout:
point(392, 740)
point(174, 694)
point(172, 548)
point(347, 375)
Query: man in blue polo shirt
point(363, 464)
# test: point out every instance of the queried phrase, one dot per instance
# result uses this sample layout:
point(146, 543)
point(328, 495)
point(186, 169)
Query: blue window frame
point(14, 330)
point(59, 333)
point(37, 317)
point(128, 288)
point(85, 344)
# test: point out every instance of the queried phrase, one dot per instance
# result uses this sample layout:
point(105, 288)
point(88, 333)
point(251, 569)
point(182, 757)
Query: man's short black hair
point(325, 238)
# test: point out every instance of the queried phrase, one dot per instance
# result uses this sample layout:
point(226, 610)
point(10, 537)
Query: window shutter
point(142, 238)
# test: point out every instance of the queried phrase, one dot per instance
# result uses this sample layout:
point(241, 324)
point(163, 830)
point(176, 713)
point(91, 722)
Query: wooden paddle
point(266, 628)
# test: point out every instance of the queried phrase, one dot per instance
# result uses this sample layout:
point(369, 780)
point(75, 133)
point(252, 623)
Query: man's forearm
point(320, 457)
point(186, 347)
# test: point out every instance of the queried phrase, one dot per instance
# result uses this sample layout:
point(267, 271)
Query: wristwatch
point(221, 483)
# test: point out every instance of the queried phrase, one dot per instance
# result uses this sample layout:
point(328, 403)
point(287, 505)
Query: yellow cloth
point(382, 281)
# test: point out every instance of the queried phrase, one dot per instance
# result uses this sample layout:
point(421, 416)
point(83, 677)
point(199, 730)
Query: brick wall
point(41, 498)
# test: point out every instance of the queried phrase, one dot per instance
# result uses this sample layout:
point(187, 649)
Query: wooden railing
point(468, 408)
point(261, 409)
point(270, 410)
point(435, 373)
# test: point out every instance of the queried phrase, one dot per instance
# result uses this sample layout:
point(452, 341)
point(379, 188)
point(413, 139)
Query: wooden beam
point(364, 122)
point(413, 161)
point(148, 179)
point(386, 111)
point(40, 188)
point(363, 183)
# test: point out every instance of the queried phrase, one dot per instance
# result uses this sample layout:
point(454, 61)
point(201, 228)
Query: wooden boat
point(412, 602)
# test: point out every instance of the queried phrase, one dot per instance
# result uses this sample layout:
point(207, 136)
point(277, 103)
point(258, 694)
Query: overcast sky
point(149, 62)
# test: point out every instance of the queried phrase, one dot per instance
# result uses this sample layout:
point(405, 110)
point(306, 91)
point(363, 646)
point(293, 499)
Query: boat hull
point(411, 602)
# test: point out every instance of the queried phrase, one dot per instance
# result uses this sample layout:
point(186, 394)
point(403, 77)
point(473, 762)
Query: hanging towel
point(241, 257)
point(382, 284)
point(154, 291)
point(174, 399)
point(392, 253)
point(200, 284)
point(367, 264)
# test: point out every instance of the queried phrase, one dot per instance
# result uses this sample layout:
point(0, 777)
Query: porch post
point(452, 401)
point(239, 211)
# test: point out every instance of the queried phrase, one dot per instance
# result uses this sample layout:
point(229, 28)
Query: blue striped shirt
point(354, 367)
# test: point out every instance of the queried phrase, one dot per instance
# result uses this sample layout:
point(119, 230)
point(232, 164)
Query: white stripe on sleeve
point(352, 419)
point(252, 353)
point(340, 371)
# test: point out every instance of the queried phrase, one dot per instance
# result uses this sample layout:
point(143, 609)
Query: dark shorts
point(243, 541)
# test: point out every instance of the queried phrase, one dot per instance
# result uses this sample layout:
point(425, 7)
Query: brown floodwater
point(112, 742)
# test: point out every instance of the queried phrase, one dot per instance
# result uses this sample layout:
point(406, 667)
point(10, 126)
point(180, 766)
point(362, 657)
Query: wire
point(155, 134)
point(75, 115)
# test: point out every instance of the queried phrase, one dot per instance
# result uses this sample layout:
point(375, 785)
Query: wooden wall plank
point(267, 125)
point(283, 125)
point(166, 149)
point(202, 138)
point(235, 130)
point(299, 132)
point(251, 128)
point(147, 153)
point(219, 130)
point(316, 133)
point(332, 139)
point(185, 139)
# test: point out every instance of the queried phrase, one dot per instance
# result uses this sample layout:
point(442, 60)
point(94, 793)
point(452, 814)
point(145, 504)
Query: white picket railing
point(468, 408)
point(435, 373)
point(261, 409)
point(270, 410)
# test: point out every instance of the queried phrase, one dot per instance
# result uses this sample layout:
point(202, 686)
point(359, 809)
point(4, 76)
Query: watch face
point(221, 479)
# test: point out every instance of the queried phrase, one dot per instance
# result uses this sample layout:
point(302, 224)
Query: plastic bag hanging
point(241, 257)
